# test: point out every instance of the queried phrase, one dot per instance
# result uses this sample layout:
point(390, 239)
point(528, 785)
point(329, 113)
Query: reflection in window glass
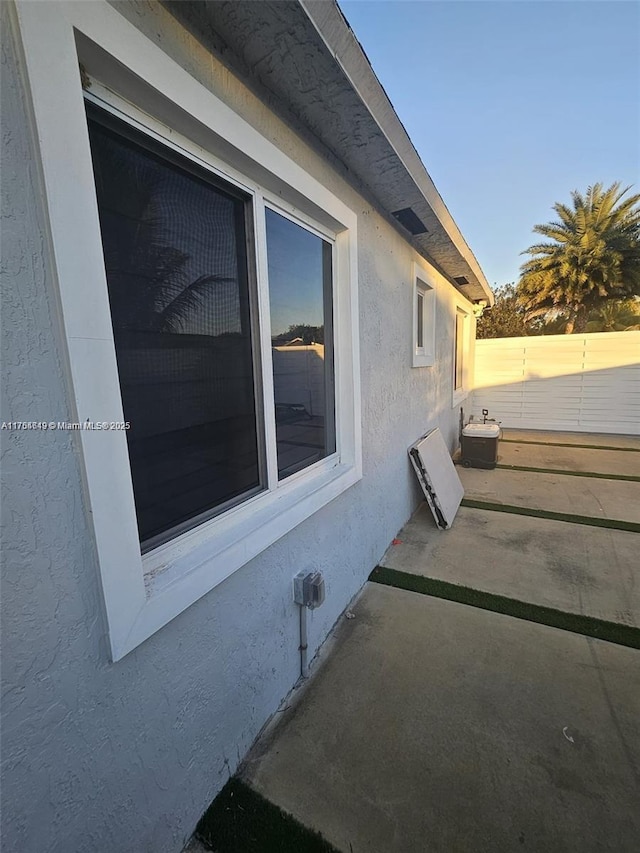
point(175, 255)
point(300, 286)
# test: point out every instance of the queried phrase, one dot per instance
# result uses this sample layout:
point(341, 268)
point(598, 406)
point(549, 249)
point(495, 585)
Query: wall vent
point(411, 222)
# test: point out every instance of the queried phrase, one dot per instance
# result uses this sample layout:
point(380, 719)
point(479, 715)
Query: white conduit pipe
point(304, 665)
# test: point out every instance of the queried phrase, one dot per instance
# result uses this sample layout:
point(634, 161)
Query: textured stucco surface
point(125, 757)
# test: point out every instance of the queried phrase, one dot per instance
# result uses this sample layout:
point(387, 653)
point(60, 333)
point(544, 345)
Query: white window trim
point(143, 594)
point(458, 395)
point(424, 282)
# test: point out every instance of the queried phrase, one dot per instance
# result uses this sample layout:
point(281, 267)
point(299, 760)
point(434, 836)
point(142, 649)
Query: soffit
point(303, 60)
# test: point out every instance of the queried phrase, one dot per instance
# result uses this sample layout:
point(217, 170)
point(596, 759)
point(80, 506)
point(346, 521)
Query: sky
point(511, 105)
point(296, 291)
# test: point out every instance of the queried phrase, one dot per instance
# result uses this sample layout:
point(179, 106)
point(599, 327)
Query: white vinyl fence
point(583, 383)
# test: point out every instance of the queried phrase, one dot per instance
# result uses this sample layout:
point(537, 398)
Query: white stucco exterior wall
point(125, 757)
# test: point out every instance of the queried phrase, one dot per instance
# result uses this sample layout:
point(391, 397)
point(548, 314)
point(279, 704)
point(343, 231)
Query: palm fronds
point(593, 255)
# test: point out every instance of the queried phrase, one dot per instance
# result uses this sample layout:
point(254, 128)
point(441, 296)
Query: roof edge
point(335, 31)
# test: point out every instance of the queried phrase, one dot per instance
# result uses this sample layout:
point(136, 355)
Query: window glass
point(300, 296)
point(420, 318)
point(459, 351)
point(175, 249)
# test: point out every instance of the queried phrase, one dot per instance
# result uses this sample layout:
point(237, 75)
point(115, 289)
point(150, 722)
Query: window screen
point(175, 250)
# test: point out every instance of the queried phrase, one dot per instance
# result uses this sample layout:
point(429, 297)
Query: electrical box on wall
point(308, 589)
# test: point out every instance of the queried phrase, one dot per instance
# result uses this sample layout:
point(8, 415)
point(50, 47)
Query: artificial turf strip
point(568, 444)
point(623, 635)
point(592, 521)
point(630, 477)
point(240, 820)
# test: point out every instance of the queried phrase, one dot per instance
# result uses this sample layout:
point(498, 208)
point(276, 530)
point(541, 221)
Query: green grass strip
point(629, 477)
point(623, 635)
point(592, 521)
point(240, 820)
point(568, 444)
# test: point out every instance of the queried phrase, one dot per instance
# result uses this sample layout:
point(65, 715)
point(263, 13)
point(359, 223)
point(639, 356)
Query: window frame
point(328, 308)
point(463, 312)
point(105, 110)
point(144, 592)
point(424, 286)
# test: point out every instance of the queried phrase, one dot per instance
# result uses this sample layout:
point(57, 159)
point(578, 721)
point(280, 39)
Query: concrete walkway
point(570, 458)
point(577, 568)
point(434, 727)
point(590, 496)
point(597, 439)
point(437, 727)
point(570, 567)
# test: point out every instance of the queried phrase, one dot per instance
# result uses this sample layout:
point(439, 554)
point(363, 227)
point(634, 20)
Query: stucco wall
point(125, 757)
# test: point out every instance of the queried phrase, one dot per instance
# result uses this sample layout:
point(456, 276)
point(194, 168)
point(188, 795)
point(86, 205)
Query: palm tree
point(615, 317)
point(594, 256)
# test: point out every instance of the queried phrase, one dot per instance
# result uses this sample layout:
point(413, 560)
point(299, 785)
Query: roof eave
point(302, 59)
point(340, 40)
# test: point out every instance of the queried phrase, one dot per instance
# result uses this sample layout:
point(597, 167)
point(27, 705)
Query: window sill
point(423, 361)
point(459, 397)
point(179, 573)
point(253, 525)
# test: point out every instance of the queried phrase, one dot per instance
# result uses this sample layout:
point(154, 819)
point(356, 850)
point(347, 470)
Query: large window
point(178, 247)
point(208, 293)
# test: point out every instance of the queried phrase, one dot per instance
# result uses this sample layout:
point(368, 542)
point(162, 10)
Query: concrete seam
point(609, 523)
point(627, 477)
point(589, 626)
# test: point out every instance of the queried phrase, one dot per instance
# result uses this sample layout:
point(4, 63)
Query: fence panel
point(582, 383)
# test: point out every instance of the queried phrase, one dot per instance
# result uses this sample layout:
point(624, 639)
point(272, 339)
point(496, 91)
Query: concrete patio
point(432, 726)
point(574, 566)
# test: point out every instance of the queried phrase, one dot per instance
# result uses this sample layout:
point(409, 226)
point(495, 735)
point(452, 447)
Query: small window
point(420, 335)
point(461, 345)
point(458, 368)
point(424, 303)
